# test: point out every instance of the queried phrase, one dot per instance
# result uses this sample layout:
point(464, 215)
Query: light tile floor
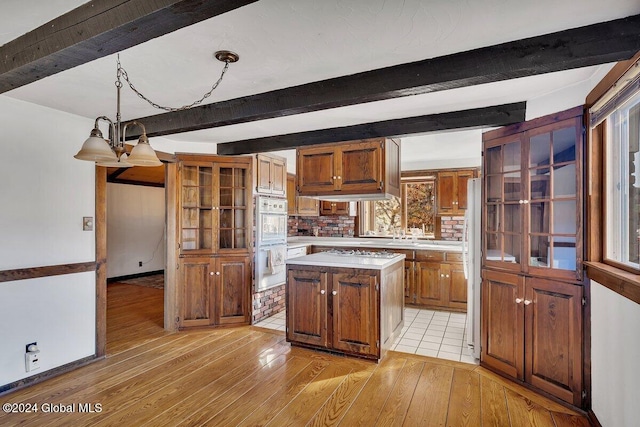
point(440, 334)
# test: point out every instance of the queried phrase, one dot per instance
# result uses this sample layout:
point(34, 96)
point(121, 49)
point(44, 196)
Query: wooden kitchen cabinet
point(532, 305)
point(210, 291)
point(533, 185)
point(452, 191)
point(361, 167)
point(301, 206)
point(214, 240)
point(271, 175)
point(437, 281)
point(334, 208)
point(532, 331)
point(354, 311)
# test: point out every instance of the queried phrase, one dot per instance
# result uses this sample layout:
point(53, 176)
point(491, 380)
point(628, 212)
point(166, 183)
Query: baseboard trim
point(38, 378)
point(593, 419)
point(134, 276)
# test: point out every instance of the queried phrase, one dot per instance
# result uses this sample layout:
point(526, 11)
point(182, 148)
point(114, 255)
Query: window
point(419, 202)
point(415, 210)
point(622, 184)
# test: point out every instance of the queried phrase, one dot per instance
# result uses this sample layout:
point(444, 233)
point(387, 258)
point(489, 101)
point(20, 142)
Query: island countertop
point(324, 259)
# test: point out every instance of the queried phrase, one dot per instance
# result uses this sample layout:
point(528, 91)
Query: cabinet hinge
point(584, 394)
point(584, 300)
point(377, 343)
point(178, 319)
point(377, 287)
point(177, 266)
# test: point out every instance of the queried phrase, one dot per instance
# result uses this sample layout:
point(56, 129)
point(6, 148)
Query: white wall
point(45, 193)
point(615, 352)
point(135, 229)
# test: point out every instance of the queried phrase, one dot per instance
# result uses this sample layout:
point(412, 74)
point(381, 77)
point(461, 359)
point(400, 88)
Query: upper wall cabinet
point(271, 175)
point(533, 197)
point(367, 168)
point(215, 214)
point(452, 191)
point(301, 206)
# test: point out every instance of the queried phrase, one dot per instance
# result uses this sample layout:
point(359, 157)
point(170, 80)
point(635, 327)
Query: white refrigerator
point(471, 251)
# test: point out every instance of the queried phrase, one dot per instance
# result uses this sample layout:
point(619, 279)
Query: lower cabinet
point(532, 331)
point(437, 281)
point(214, 291)
point(340, 310)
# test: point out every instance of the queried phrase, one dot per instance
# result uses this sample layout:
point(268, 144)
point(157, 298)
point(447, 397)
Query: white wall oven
point(271, 242)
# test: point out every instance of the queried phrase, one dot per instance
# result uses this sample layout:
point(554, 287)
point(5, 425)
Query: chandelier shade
point(116, 163)
point(143, 155)
point(96, 149)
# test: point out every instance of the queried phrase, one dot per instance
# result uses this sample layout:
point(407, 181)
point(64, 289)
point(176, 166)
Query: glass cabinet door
point(503, 194)
point(553, 174)
point(232, 209)
point(197, 208)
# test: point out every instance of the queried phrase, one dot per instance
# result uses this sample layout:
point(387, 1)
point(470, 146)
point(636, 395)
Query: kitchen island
point(346, 302)
point(434, 271)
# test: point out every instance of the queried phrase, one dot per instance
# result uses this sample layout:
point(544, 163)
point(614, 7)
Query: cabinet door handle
point(334, 293)
point(442, 275)
point(217, 273)
point(527, 302)
point(322, 291)
point(339, 177)
point(518, 300)
point(447, 276)
point(525, 202)
point(335, 177)
point(211, 273)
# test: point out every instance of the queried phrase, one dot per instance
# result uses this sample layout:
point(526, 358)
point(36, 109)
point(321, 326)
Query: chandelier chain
point(123, 73)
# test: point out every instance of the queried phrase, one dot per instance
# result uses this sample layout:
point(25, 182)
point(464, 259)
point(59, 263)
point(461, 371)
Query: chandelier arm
point(122, 72)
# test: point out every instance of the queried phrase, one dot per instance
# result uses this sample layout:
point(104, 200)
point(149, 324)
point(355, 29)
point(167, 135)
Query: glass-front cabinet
point(213, 269)
point(215, 207)
point(532, 194)
point(503, 203)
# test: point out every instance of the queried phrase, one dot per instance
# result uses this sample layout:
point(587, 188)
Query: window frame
point(618, 277)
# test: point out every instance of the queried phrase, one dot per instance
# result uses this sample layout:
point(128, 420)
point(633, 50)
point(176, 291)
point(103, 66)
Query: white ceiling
point(282, 43)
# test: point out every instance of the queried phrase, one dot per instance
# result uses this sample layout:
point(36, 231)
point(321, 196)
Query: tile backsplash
point(344, 226)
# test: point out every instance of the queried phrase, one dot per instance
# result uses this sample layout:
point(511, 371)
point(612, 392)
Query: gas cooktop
point(369, 254)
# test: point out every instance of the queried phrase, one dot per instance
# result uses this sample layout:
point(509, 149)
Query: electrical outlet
point(139, 263)
point(32, 357)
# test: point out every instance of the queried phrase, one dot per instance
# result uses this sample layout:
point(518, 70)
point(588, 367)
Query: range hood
point(353, 197)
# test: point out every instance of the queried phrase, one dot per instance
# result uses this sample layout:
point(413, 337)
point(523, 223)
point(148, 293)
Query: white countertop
point(381, 243)
point(324, 259)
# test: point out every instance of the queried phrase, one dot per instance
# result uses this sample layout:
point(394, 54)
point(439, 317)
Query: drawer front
point(407, 252)
point(454, 256)
point(429, 256)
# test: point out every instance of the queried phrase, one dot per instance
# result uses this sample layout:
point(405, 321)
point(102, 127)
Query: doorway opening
point(135, 256)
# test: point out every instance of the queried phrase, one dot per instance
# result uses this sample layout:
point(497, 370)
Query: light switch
point(87, 223)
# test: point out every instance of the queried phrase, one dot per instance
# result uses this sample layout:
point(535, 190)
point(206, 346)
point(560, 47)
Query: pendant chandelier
point(112, 152)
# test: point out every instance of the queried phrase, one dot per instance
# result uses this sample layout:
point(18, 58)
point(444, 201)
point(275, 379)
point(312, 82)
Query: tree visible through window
point(415, 210)
point(419, 206)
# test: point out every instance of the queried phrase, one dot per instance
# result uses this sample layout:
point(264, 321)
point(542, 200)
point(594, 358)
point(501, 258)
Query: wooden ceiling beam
point(499, 115)
point(97, 29)
point(574, 48)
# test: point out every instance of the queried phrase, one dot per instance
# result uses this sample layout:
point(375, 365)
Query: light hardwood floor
point(250, 376)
